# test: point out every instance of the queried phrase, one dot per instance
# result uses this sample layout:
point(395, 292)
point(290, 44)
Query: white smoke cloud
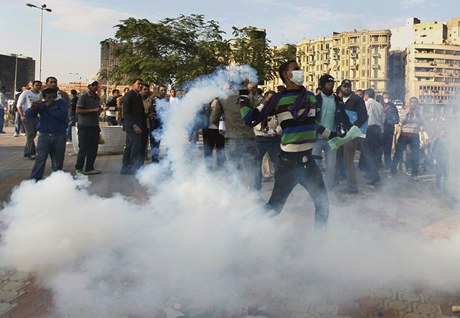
point(201, 239)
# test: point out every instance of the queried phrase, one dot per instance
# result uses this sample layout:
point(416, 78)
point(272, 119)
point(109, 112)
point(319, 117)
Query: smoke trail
point(201, 239)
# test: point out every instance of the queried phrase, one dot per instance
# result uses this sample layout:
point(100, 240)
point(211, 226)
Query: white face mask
point(386, 100)
point(297, 77)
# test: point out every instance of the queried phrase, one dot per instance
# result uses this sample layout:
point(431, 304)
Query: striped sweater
point(296, 135)
point(411, 122)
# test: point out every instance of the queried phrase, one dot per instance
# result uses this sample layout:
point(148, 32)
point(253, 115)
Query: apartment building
point(430, 57)
point(433, 74)
point(361, 56)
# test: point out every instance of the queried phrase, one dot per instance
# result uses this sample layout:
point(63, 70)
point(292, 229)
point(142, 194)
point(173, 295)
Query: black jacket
point(356, 104)
point(133, 111)
point(391, 117)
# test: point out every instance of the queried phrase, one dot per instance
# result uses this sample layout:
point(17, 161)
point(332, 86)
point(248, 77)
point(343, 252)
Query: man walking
point(374, 137)
point(391, 119)
point(52, 131)
point(25, 102)
point(357, 112)
point(135, 123)
point(88, 109)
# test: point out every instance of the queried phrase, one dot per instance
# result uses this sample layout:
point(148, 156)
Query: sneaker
point(16, 135)
point(22, 134)
point(32, 157)
point(90, 172)
point(68, 143)
point(391, 176)
point(79, 172)
point(415, 178)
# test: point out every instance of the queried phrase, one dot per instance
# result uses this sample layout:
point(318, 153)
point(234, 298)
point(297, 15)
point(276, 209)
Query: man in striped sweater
point(296, 111)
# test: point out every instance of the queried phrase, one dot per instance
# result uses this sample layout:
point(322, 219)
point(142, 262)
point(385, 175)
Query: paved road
point(21, 296)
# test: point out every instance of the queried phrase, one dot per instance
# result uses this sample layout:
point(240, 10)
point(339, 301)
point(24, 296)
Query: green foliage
point(176, 50)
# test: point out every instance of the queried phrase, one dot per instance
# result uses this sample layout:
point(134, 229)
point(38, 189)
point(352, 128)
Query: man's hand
point(137, 129)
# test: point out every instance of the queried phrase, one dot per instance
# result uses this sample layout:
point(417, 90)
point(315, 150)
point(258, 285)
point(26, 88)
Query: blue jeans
point(2, 118)
point(270, 145)
point(18, 125)
point(47, 144)
point(69, 127)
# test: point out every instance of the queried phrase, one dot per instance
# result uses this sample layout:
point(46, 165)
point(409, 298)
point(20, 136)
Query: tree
point(250, 46)
point(170, 51)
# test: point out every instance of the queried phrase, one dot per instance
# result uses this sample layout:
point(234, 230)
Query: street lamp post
point(43, 7)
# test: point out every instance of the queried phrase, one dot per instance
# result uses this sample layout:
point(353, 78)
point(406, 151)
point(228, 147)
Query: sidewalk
point(20, 297)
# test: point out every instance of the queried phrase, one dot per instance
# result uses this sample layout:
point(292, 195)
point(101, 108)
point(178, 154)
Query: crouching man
point(52, 131)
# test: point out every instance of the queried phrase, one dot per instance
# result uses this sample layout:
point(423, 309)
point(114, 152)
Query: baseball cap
point(346, 83)
point(92, 82)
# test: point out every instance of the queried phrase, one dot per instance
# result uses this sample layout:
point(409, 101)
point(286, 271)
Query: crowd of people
point(293, 135)
point(43, 109)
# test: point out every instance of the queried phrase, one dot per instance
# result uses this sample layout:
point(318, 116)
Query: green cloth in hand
point(353, 133)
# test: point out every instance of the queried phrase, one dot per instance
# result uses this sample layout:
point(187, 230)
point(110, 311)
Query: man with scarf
point(296, 111)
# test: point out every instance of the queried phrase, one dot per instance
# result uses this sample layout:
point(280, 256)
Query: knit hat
point(325, 79)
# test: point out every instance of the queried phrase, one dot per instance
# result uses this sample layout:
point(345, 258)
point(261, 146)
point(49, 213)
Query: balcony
point(354, 66)
point(375, 67)
point(376, 55)
point(354, 55)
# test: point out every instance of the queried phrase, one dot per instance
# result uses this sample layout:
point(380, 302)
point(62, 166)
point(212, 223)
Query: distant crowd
point(292, 135)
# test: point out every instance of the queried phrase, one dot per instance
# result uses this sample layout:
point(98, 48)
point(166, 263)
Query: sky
point(73, 30)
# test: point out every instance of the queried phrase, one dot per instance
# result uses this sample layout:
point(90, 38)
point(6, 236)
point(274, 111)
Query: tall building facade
point(433, 74)
point(16, 67)
point(430, 58)
point(360, 56)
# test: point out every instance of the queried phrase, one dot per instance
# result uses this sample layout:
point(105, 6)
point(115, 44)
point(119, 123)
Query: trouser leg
point(43, 149)
point(312, 181)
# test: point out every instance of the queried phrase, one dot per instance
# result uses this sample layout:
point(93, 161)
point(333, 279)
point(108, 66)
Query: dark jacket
point(53, 120)
point(356, 104)
point(341, 118)
point(391, 117)
point(133, 111)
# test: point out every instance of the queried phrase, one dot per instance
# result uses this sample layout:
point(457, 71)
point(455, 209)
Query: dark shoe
point(348, 191)
point(91, 172)
point(2, 132)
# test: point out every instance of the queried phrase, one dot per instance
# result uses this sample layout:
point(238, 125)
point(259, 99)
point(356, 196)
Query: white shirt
point(26, 99)
point(375, 112)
